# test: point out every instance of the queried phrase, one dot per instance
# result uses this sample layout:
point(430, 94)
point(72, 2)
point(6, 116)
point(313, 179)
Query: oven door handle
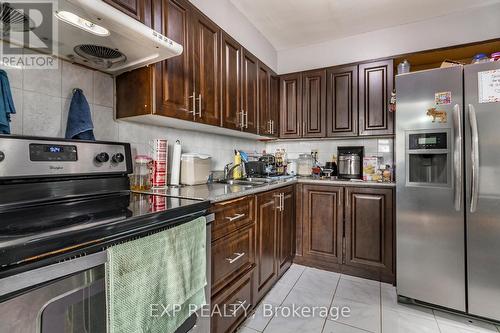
point(25, 280)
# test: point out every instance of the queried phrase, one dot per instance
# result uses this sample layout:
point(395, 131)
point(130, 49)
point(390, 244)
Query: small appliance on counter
point(269, 164)
point(195, 168)
point(292, 167)
point(350, 159)
point(254, 168)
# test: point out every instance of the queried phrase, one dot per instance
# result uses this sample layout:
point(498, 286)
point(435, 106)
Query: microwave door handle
point(475, 159)
point(458, 157)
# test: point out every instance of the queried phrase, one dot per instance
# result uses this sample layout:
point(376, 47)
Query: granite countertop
point(217, 192)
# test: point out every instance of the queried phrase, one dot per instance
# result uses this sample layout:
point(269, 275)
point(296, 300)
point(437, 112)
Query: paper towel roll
point(176, 164)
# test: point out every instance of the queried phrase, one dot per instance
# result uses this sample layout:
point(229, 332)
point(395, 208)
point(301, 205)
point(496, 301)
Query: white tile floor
point(373, 308)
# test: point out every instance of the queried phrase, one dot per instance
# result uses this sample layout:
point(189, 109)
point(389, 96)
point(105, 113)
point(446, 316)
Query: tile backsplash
point(326, 148)
point(42, 99)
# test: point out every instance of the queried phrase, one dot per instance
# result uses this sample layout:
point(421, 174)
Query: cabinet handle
point(193, 111)
point(280, 204)
point(282, 201)
point(199, 105)
point(241, 119)
point(272, 126)
point(236, 306)
point(269, 127)
point(238, 257)
point(235, 217)
point(246, 119)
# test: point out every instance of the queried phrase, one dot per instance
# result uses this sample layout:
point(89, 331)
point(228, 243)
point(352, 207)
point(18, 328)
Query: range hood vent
point(95, 34)
point(101, 56)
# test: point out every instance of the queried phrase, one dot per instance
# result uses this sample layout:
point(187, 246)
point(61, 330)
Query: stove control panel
point(22, 157)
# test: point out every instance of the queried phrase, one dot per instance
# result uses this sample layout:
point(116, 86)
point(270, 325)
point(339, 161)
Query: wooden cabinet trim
point(342, 101)
point(291, 106)
point(375, 87)
point(314, 104)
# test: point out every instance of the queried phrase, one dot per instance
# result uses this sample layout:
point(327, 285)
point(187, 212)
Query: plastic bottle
point(404, 67)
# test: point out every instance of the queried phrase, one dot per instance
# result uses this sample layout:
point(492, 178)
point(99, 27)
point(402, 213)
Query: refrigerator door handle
point(475, 159)
point(458, 157)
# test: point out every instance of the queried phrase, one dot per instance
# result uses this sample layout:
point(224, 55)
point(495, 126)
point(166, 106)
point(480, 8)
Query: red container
point(159, 152)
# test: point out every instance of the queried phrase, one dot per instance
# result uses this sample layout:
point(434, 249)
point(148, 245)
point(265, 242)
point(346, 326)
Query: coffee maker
point(350, 161)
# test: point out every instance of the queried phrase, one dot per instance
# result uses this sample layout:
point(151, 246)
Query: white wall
point(458, 28)
point(225, 14)
point(42, 99)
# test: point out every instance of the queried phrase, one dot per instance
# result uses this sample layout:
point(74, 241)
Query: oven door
point(67, 297)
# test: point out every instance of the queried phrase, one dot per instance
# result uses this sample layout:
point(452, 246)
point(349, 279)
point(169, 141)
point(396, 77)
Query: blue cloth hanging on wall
point(6, 103)
point(79, 124)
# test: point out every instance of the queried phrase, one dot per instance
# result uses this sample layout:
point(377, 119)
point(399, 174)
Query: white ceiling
point(292, 23)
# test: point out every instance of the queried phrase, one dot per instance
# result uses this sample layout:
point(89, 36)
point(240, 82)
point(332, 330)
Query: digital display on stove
point(49, 153)
point(54, 149)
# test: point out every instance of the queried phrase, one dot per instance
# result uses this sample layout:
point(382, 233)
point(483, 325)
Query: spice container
point(141, 179)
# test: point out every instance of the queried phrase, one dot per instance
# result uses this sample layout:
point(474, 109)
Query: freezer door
point(483, 188)
point(429, 213)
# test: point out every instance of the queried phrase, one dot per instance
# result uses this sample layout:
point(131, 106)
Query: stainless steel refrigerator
point(448, 188)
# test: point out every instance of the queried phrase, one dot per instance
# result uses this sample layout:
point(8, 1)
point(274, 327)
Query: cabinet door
point(291, 105)
point(314, 104)
point(342, 101)
point(264, 101)
point(174, 85)
point(206, 48)
point(133, 8)
point(369, 232)
point(267, 229)
point(274, 105)
point(286, 230)
point(375, 87)
point(322, 225)
point(231, 78)
point(249, 83)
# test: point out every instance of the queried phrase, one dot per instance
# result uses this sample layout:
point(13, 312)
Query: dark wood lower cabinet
point(286, 225)
point(369, 233)
point(348, 230)
point(322, 225)
point(266, 272)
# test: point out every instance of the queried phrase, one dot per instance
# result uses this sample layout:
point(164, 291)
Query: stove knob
point(118, 158)
point(102, 157)
point(2, 156)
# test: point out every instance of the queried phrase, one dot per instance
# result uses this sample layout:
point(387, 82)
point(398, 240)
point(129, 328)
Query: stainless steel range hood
point(97, 35)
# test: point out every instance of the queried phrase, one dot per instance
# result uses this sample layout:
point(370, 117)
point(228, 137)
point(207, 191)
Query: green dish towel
point(146, 275)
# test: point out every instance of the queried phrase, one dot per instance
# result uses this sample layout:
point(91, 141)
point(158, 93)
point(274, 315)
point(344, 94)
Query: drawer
point(231, 256)
point(233, 305)
point(232, 215)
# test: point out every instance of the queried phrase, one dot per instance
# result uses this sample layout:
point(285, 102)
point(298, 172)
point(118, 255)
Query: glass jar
point(305, 164)
point(141, 179)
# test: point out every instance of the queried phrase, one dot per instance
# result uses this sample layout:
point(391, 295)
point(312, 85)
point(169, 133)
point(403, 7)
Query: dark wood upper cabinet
point(231, 82)
point(249, 89)
point(314, 104)
point(139, 80)
point(369, 232)
point(291, 106)
point(264, 100)
point(286, 230)
point(375, 86)
point(174, 84)
point(274, 105)
point(342, 101)
point(138, 9)
point(267, 239)
point(322, 225)
point(206, 48)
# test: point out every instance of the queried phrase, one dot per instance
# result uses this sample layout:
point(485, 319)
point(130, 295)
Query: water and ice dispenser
point(428, 158)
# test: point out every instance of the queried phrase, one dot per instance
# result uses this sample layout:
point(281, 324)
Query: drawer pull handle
point(238, 256)
point(236, 306)
point(235, 217)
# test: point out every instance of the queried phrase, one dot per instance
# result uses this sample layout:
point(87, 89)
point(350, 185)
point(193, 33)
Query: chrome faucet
point(228, 170)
